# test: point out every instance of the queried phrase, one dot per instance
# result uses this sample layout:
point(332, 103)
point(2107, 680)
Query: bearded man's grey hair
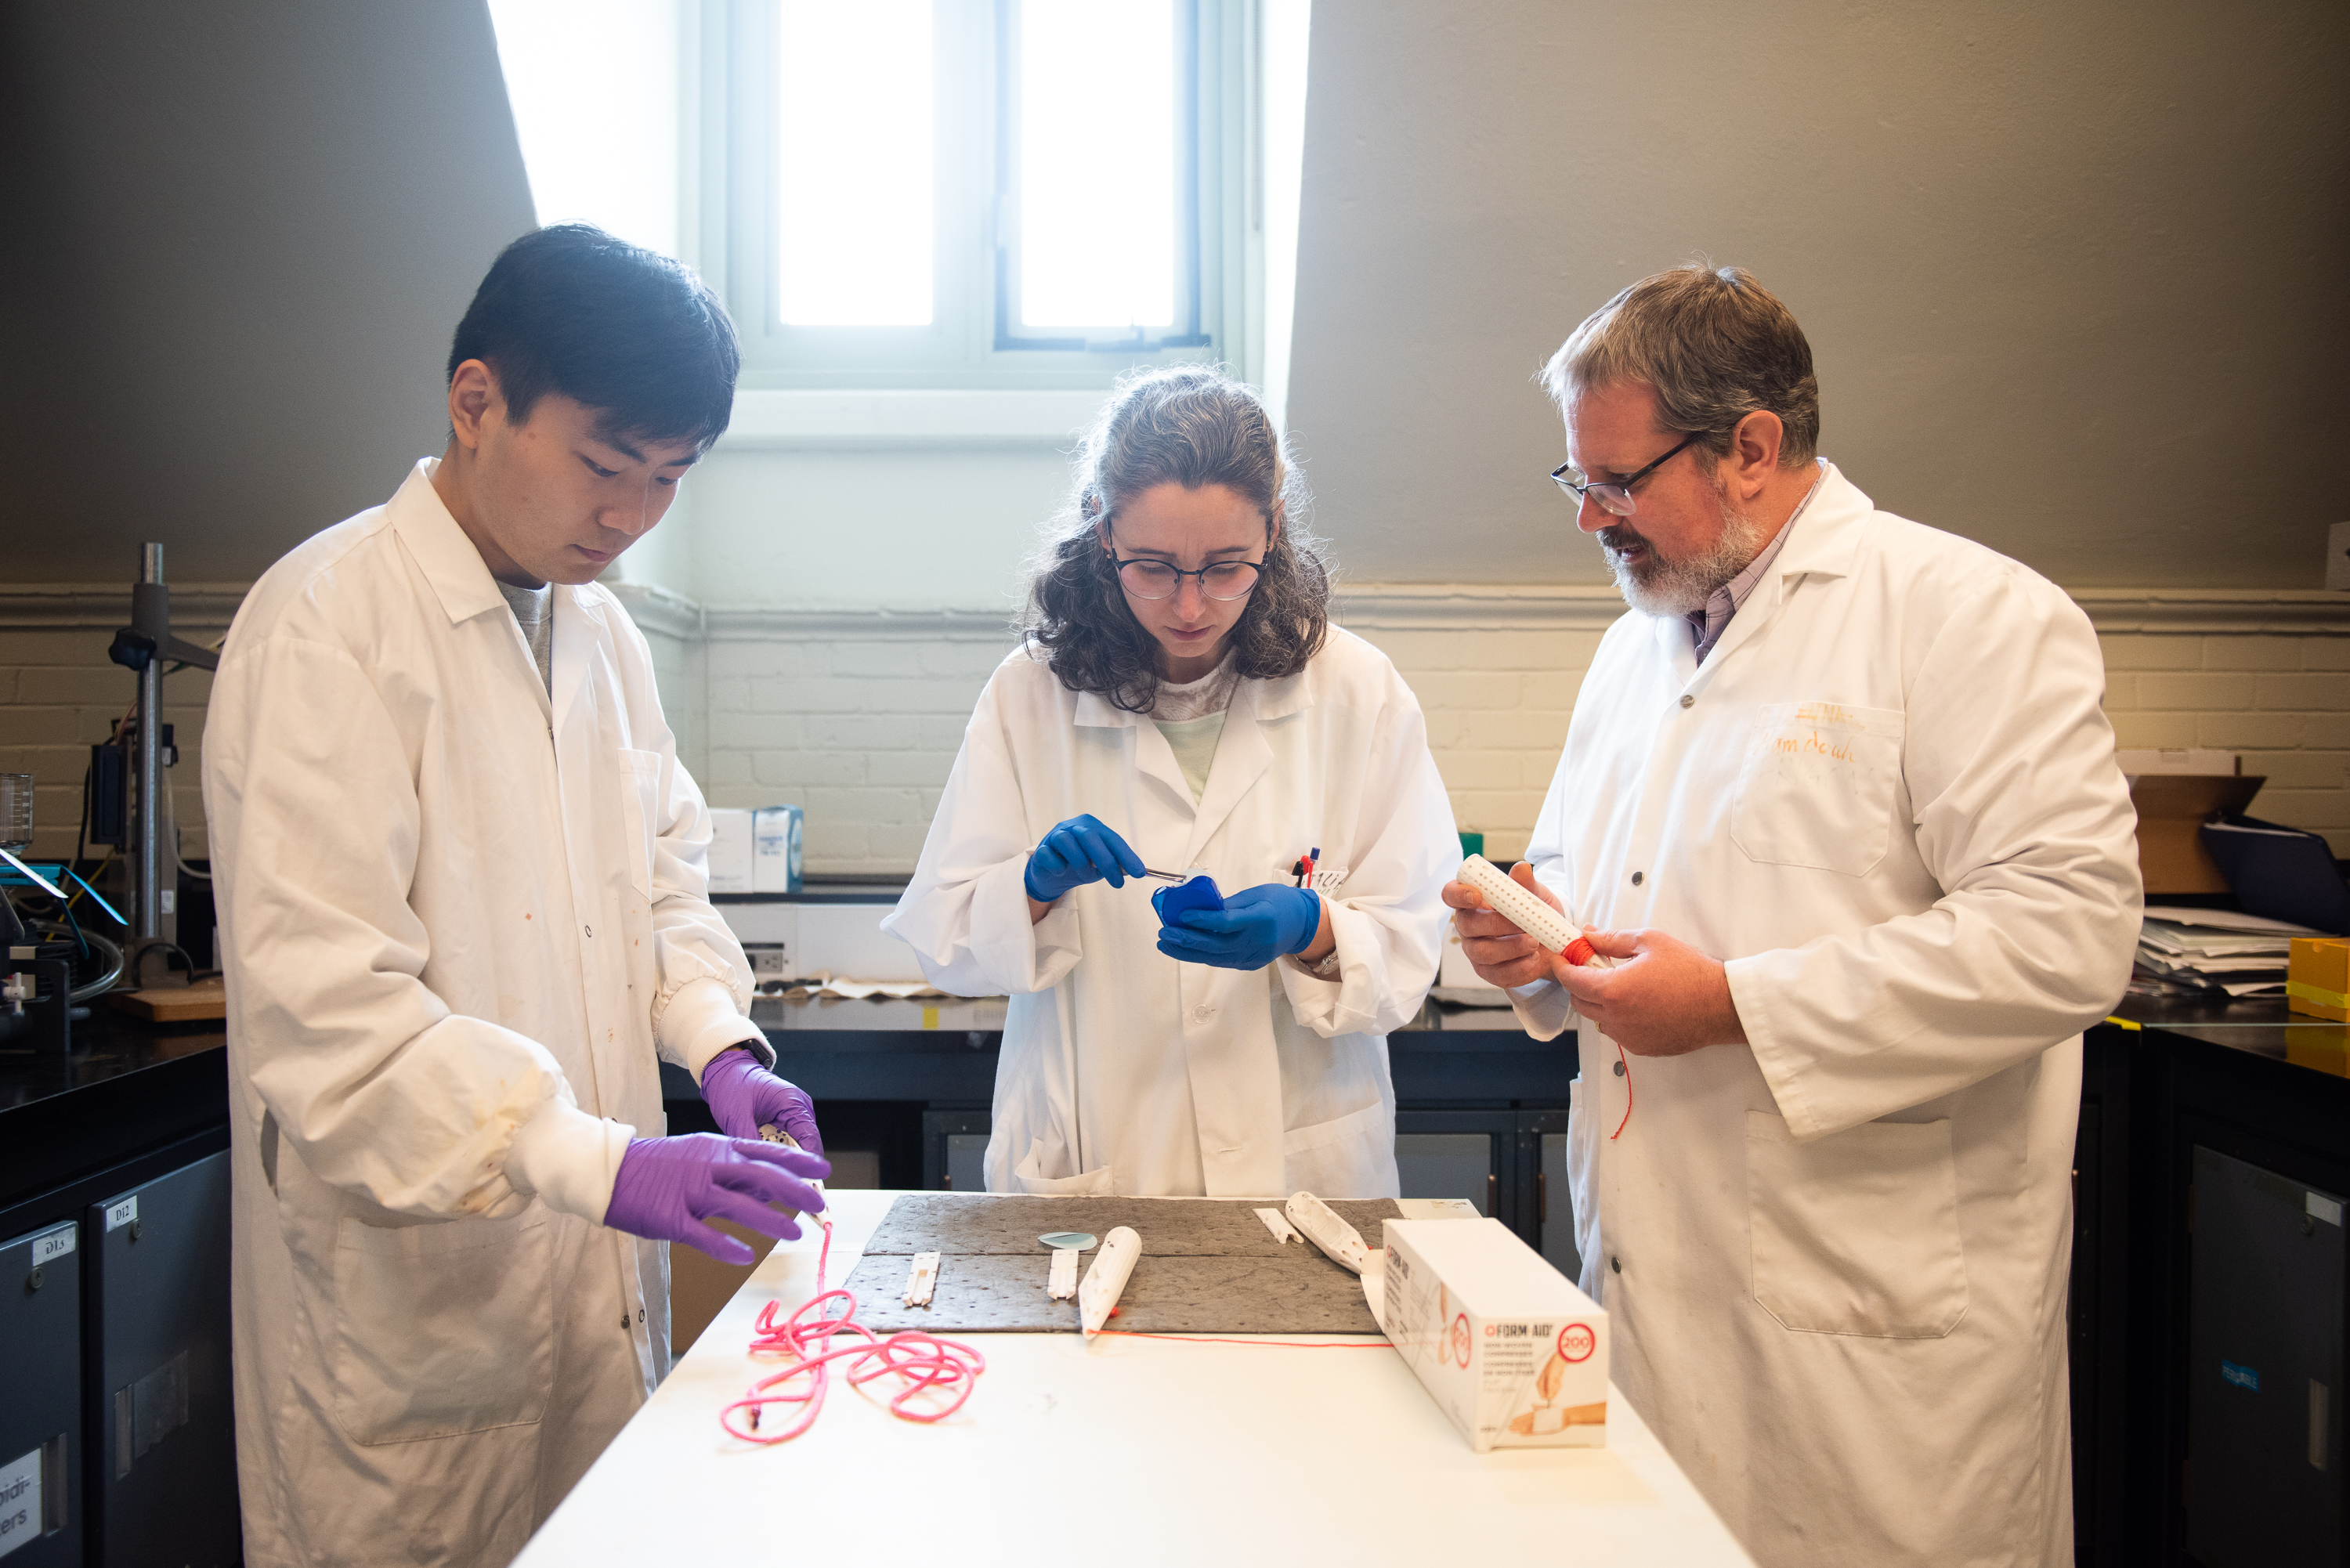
point(1715, 346)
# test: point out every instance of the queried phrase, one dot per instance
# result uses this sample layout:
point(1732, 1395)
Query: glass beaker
point(15, 811)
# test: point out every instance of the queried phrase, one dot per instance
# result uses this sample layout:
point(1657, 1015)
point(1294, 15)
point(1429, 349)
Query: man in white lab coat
point(462, 903)
point(1840, 797)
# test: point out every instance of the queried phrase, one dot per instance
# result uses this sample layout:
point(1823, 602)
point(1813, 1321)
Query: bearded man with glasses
point(1839, 801)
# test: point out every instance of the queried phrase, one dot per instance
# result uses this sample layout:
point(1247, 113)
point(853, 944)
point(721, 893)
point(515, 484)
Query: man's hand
point(1663, 998)
point(1500, 952)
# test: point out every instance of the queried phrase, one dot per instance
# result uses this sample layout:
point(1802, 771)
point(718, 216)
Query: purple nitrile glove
point(745, 1096)
point(1257, 925)
point(668, 1185)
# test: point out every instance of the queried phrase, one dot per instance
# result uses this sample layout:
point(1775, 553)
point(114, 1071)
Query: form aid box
point(776, 832)
point(1506, 1344)
point(730, 850)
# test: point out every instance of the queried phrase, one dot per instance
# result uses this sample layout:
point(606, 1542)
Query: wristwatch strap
point(1326, 969)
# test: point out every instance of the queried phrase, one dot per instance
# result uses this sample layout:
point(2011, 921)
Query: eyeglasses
point(1616, 495)
point(1158, 580)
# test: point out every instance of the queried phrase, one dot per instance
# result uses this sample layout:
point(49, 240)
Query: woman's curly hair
point(1194, 426)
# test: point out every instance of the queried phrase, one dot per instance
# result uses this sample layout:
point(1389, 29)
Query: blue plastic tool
point(1198, 893)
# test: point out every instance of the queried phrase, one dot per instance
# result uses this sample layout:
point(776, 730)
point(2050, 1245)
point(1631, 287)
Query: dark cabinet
point(40, 1418)
point(163, 1488)
point(2265, 1345)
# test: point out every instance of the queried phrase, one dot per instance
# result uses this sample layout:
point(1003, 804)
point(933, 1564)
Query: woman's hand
point(1257, 925)
point(1076, 851)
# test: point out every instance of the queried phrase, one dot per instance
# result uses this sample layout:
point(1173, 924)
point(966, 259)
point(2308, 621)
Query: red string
point(940, 1373)
point(1567, 952)
point(1628, 1096)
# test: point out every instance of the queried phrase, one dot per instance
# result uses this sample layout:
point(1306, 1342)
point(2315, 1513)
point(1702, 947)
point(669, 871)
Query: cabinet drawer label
point(54, 1246)
point(20, 1501)
point(118, 1215)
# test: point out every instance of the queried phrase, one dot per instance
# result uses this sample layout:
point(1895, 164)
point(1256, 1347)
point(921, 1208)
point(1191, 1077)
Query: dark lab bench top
point(841, 1049)
point(2261, 1027)
point(131, 1085)
point(127, 1087)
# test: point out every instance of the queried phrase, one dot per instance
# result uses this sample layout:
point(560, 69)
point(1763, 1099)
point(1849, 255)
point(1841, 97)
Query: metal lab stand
point(142, 647)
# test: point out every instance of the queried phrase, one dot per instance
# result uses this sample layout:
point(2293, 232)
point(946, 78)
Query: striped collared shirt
point(1708, 624)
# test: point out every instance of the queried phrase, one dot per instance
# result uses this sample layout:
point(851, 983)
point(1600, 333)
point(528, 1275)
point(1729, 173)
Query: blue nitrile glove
point(742, 1096)
point(1257, 925)
point(667, 1187)
point(1076, 851)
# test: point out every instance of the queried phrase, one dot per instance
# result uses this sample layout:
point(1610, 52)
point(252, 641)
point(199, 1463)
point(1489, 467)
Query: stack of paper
point(2217, 949)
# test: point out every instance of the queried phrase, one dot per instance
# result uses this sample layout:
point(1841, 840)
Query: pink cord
point(1628, 1096)
point(1579, 952)
point(923, 1363)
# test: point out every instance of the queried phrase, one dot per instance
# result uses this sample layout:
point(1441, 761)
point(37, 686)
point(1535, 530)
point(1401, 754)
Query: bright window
point(982, 192)
point(853, 166)
point(1096, 192)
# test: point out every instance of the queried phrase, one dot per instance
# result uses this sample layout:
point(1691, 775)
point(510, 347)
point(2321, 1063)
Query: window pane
point(1097, 183)
point(856, 163)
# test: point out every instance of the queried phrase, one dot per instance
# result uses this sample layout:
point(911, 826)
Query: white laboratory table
point(1126, 1451)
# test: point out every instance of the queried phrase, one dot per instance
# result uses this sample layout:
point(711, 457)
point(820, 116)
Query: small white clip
point(1062, 1283)
point(1283, 1230)
point(922, 1279)
point(1326, 1229)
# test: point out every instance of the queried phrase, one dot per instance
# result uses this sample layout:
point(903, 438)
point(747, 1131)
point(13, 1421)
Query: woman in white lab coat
point(1180, 702)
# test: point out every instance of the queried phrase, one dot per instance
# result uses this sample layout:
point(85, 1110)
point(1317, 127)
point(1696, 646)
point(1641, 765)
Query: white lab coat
point(450, 908)
point(1122, 1070)
point(1835, 1263)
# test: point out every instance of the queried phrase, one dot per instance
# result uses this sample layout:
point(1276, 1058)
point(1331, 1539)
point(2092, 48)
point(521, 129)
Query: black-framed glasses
point(1615, 494)
point(1158, 580)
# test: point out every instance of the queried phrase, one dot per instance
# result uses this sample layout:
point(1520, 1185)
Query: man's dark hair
point(629, 333)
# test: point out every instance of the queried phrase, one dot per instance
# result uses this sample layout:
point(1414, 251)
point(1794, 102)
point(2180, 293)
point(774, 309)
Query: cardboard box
point(730, 850)
point(2187, 760)
point(2317, 978)
point(776, 849)
point(2171, 807)
point(1506, 1344)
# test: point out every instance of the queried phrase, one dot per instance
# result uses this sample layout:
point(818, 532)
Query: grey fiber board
point(1007, 1225)
point(1207, 1266)
point(1303, 1293)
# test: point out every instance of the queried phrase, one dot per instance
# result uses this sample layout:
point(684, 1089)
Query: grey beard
point(1659, 587)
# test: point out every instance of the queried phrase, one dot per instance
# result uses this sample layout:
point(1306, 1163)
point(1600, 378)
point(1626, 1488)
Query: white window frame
point(734, 134)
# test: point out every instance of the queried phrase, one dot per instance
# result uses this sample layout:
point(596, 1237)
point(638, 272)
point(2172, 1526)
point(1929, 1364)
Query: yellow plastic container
point(2317, 978)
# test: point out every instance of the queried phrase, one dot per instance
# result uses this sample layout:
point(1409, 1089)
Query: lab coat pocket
point(1817, 786)
point(1856, 1232)
point(441, 1329)
point(1029, 1173)
point(640, 814)
point(1350, 1157)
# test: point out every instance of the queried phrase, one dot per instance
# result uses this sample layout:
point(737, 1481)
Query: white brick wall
point(58, 697)
point(862, 728)
point(2280, 701)
point(855, 717)
point(858, 717)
